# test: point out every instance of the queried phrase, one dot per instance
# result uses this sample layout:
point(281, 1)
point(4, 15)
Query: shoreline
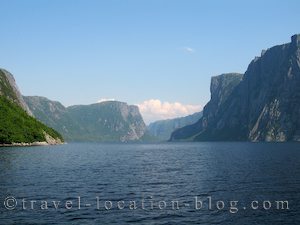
point(24, 144)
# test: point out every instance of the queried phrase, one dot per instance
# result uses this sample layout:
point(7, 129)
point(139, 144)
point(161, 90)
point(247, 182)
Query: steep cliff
point(221, 88)
point(105, 121)
point(264, 106)
point(10, 90)
point(17, 125)
point(108, 121)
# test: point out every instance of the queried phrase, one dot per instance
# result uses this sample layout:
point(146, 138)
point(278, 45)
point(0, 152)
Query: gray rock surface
point(264, 106)
point(221, 88)
point(15, 94)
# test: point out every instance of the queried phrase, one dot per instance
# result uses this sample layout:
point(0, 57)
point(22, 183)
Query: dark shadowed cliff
point(264, 106)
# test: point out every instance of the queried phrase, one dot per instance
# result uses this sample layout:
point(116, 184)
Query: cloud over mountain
point(154, 109)
point(106, 100)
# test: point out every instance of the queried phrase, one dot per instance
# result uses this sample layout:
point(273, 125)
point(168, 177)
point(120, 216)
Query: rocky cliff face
point(105, 121)
point(108, 121)
point(264, 106)
point(137, 127)
point(17, 125)
point(221, 88)
point(272, 90)
point(10, 90)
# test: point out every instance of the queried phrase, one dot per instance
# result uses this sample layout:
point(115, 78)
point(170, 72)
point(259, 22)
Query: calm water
point(165, 175)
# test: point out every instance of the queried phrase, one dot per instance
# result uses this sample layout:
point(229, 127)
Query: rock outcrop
point(264, 106)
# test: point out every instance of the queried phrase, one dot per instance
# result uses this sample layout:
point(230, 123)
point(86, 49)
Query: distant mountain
point(162, 129)
point(54, 114)
point(263, 106)
point(17, 126)
point(106, 121)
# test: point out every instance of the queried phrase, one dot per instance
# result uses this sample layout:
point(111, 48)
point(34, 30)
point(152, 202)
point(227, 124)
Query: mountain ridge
point(105, 121)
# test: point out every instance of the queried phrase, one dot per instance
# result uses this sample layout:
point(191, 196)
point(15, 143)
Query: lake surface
point(92, 183)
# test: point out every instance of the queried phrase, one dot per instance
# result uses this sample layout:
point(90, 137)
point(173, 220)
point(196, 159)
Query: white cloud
point(106, 100)
point(154, 109)
point(188, 50)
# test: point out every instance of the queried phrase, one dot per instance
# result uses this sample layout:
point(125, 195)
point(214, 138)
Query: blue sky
point(80, 51)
